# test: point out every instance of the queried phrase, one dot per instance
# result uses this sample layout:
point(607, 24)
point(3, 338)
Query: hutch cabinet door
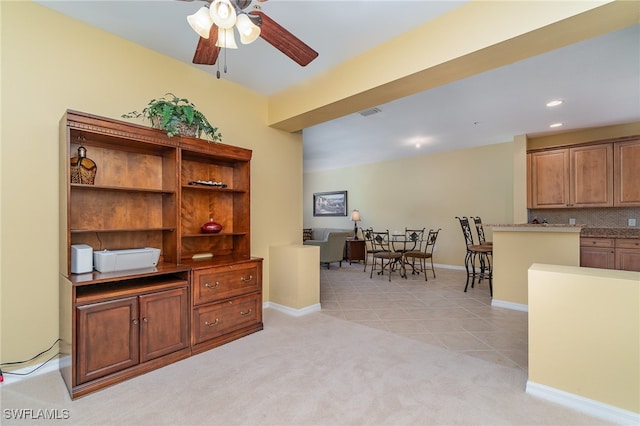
point(107, 334)
point(164, 323)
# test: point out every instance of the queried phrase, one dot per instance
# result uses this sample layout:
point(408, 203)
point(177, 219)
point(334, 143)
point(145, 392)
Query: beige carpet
point(312, 370)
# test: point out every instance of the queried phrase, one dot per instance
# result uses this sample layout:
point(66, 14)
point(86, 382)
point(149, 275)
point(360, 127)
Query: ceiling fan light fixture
point(201, 22)
point(249, 31)
point(226, 38)
point(223, 13)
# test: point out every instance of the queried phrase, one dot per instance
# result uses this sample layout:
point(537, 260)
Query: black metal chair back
point(430, 242)
point(479, 229)
point(466, 230)
point(416, 236)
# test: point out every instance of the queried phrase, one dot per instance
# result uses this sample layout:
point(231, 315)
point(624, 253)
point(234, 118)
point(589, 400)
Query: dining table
point(402, 243)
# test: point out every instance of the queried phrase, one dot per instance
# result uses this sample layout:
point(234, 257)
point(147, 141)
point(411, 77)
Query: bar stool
point(480, 253)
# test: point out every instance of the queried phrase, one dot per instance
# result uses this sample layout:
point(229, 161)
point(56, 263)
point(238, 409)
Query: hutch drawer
point(222, 282)
point(217, 319)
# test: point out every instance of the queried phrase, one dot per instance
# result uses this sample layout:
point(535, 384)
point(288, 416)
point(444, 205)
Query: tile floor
point(437, 311)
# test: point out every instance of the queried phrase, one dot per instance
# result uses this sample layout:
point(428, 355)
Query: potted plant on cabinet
point(177, 116)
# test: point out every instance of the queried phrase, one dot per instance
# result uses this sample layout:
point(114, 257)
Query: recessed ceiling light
point(557, 125)
point(555, 103)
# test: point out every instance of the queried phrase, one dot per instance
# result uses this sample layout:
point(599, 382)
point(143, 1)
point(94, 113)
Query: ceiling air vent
point(370, 111)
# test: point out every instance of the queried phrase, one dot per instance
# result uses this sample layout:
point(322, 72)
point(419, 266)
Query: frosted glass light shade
point(223, 13)
point(249, 32)
point(226, 38)
point(201, 22)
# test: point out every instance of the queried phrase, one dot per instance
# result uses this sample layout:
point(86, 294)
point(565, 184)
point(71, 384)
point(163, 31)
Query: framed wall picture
point(330, 203)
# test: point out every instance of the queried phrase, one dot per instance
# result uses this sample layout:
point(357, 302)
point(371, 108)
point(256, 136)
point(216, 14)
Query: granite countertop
point(585, 230)
point(538, 225)
point(610, 232)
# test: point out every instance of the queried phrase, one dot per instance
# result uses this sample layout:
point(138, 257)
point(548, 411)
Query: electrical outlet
point(572, 221)
point(632, 222)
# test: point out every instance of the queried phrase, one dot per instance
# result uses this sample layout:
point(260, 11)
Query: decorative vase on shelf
point(83, 169)
point(211, 227)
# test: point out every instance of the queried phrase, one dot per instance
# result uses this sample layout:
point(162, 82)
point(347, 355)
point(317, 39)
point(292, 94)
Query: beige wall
point(427, 191)
point(515, 249)
point(59, 63)
point(595, 353)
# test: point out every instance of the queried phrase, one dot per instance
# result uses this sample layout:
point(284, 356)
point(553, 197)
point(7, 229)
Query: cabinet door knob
point(209, 324)
point(145, 319)
point(244, 314)
point(135, 321)
point(212, 287)
point(246, 279)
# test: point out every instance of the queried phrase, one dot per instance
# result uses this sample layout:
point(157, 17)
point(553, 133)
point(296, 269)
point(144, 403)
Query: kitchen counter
point(537, 227)
point(585, 230)
point(517, 246)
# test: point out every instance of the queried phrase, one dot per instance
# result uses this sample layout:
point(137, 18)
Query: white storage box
point(122, 260)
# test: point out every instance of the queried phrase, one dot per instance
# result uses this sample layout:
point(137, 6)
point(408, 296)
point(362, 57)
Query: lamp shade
point(201, 22)
point(249, 31)
point(226, 38)
point(223, 13)
point(355, 216)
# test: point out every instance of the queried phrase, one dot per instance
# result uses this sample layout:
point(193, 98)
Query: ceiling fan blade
point(274, 34)
point(207, 51)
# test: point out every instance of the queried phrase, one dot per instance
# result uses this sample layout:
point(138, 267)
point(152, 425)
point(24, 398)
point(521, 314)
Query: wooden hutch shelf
point(141, 197)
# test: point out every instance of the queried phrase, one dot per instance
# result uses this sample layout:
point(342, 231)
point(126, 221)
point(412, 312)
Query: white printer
point(123, 260)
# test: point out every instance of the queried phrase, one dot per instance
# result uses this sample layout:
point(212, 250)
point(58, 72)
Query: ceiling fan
point(214, 23)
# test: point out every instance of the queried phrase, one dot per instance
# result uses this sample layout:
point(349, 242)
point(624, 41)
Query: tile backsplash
point(594, 217)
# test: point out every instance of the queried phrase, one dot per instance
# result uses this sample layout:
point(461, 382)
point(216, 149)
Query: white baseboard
point(509, 305)
point(443, 266)
point(42, 368)
point(582, 404)
point(291, 311)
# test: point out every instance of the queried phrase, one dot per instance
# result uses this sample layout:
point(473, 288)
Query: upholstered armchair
point(332, 247)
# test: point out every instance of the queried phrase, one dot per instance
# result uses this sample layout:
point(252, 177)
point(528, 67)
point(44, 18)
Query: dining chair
point(383, 253)
point(476, 253)
point(413, 242)
point(367, 234)
point(425, 252)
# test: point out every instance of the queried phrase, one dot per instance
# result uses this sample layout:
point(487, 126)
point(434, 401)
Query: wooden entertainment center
point(206, 289)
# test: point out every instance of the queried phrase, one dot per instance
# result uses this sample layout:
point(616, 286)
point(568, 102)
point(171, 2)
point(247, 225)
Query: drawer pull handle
point(246, 279)
point(244, 314)
point(212, 287)
point(209, 324)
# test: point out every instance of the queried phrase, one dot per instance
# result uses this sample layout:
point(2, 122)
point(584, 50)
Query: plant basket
point(184, 129)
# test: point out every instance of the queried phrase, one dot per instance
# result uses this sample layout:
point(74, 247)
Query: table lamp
point(355, 217)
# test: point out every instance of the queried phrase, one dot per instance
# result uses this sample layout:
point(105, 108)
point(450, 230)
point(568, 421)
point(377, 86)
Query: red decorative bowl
point(211, 227)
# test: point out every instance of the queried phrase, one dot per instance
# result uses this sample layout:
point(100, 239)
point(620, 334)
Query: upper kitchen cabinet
point(579, 176)
point(627, 174)
point(591, 179)
point(549, 179)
